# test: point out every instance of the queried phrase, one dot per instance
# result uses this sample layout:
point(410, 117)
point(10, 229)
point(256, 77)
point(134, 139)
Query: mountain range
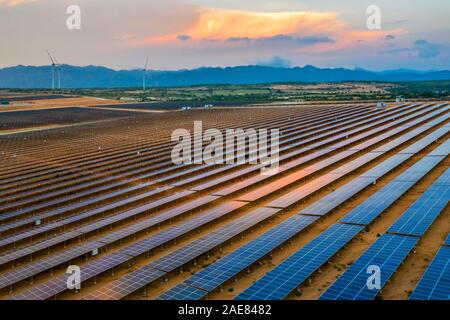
point(32, 77)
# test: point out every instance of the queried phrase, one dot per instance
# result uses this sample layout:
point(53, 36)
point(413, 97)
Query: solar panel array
point(435, 283)
point(387, 253)
point(371, 208)
point(185, 254)
point(113, 198)
point(278, 283)
point(418, 218)
point(229, 266)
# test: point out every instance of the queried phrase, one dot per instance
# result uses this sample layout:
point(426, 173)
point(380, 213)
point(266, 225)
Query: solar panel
point(370, 209)
point(386, 166)
point(336, 198)
point(58, 285)
point(116, 235)
point(373, 206)
point(253, 180)
point(387, 253)
point(418, 218)
point(423, 143)
point(145, 275)
point(183, 292)
point(442, 150)
point(435, 283)
point(91, 213)
point(303, 191)
point(126, 285)
point(420, 169)
point(96, 267)
point(208, 242)
point(224, 269)
point(278, 283)
point(30, 269)
point(174, 232)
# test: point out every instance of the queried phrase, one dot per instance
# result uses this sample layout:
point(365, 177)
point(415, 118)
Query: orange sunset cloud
point(13, 3)
point(221, 24)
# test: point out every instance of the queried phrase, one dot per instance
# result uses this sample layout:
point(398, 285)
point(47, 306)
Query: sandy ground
point(56, 103)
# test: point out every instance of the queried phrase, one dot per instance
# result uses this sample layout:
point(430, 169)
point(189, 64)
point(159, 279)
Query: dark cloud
point(420, 48)
point(426, 49)
point(184, 37)
point(239, 39)
point(282, 40)
point(277, 62)
point(389, 37)
point(303, 41)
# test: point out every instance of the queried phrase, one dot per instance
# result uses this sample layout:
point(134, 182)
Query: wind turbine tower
point(53, 69)
point(58, 71)
point(144, 73)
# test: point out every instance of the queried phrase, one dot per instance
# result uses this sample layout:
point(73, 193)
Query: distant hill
point(28, 77)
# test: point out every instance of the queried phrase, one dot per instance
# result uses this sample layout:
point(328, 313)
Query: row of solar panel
point(434, 284)
point(387, 253)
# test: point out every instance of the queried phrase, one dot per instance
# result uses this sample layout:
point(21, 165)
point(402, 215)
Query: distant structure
point(185, 108)
point(144, 74)
point(208, 106)
point(53, 69)
point(381, 105)
point(400, 99)
point(56, 66)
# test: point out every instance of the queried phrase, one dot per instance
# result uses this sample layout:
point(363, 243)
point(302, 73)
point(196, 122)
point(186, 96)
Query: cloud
point(184, 37)
point(223, 24)
point(277, 62)
point(389, 37)
point(304, 41)
point(420, 48)
point(13, 3)
point(234, 26)
point(426, 49)
point(282, 40)
point(239, 39)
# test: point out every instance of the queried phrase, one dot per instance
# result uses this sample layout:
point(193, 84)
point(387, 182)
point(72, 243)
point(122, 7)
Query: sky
point(186, 34)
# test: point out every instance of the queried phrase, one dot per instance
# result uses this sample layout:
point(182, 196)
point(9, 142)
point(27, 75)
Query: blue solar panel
point(435, 283)
point(338, 197)
point(370, 209)
point(442, 150)
point(216, 274)
point(386, 166)
point(418, 218)
point(387, 253)
point(183, 292)
point(287, 276)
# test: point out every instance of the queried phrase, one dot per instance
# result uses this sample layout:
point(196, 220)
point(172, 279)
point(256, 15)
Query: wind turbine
point(53, 69)
point(58, 70)
point(144, 74)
